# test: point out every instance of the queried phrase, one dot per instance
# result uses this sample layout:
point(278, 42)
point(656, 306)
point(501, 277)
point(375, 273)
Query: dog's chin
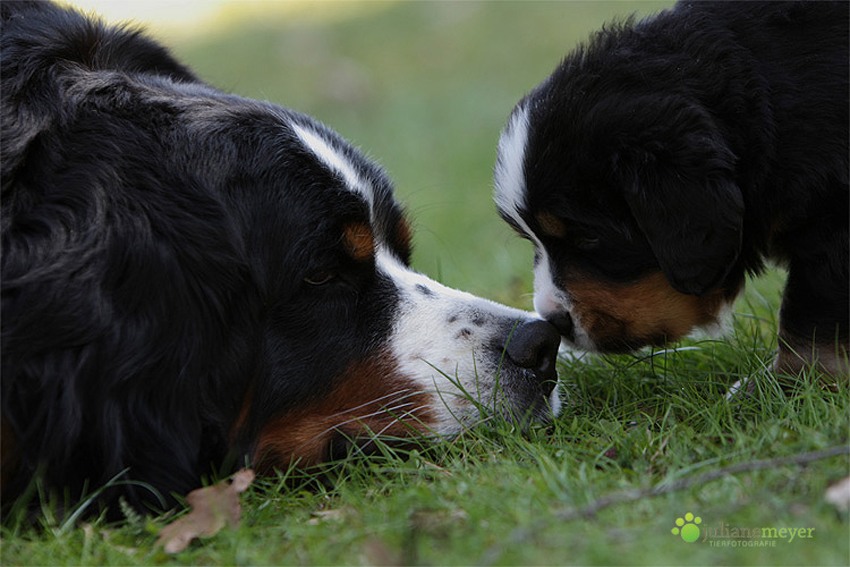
point(720, 327)
point(584, 340)
point(580, 341)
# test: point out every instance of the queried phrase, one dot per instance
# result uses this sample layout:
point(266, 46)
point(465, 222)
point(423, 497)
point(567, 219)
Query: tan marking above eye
point(551, 225)
point(359, 240)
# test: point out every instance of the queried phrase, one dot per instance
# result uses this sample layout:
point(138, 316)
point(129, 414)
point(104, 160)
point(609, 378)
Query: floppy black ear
point(690, 209)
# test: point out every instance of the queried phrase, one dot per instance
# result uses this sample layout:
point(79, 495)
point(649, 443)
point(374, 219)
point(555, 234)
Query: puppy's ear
point(689, 208)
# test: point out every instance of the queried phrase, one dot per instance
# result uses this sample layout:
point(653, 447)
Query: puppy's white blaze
point(443, 339)
point(509, 177)
point(510, 197)
point(335, 160)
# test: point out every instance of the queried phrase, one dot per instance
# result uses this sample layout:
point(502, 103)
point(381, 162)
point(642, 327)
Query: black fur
point(193, 281)
point(701, 142)
point(156, 236)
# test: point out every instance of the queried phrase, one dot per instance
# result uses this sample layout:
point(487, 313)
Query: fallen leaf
point(839, 494)
point(213, 507)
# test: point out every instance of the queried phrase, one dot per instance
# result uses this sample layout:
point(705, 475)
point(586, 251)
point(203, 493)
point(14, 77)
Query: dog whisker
point(359, 418)
point(403, 394)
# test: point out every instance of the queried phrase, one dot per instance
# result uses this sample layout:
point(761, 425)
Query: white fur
point(510, 170)
point(720, 327)
point(510, 197)
point(550, 300)
point(335, 160)
point(444, 340)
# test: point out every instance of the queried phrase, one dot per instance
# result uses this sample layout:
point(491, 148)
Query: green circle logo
point(687, 528)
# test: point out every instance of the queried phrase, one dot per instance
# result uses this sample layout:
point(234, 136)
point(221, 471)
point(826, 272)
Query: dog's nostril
point(534, 345)
point(564, 323)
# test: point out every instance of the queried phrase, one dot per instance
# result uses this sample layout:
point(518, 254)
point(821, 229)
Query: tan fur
point(551, 225)
point(369, 398)
point(647, 310)
point(359, 241)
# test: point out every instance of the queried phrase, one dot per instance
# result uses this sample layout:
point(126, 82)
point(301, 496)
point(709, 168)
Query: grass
point(498, 495)
point(425, 88)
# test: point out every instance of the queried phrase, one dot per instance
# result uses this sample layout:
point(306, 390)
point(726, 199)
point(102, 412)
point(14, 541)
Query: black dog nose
point(534, 345)
point(564, 323)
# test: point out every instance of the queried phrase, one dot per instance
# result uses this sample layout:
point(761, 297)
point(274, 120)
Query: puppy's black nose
point(564, 323)
point(534, 345)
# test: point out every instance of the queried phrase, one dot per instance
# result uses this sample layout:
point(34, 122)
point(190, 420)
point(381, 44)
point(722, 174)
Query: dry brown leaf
point(213, 507)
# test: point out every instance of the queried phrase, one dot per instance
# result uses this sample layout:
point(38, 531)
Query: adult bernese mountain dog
point(669, 157)
point(192, 280)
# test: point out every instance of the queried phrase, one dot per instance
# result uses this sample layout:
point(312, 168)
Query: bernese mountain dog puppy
point(192, 280)
point(669, 157)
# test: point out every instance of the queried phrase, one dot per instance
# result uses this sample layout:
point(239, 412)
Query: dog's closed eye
point(320, 277)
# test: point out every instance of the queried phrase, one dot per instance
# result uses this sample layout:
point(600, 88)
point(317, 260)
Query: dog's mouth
point(612, 321)
point(608, 333)
point(523, 400)
point(521, 407)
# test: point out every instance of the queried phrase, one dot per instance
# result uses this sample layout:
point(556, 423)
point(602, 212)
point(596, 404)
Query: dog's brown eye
point(320, 278)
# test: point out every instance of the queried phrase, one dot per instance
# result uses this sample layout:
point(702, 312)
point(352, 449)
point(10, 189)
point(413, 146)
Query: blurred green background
point(422, 87)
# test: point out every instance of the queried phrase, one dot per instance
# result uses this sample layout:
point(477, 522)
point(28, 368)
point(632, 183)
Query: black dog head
point(192, 278)
point(627, 191)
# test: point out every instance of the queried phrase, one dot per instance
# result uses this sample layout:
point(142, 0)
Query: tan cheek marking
point(551, 225)
point(359, 241)
point(644, 310)
point(371, 397)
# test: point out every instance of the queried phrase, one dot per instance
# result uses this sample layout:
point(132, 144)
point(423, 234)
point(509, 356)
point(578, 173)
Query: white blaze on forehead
point(510, 196)
point(335, 160)
point(510, 170)
point(511, 200)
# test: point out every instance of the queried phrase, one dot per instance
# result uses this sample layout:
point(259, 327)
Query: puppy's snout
point(534, 345)
point(564, 323)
